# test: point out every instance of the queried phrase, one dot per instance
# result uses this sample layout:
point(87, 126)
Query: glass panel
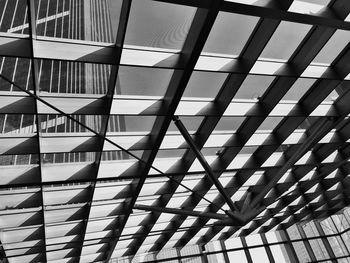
point(191, 123)
point(279, 254)
point(333, 47)
point(337, 249)
point(308, 7)
point(270, 123)
point(253, 240)
point(92, 20)
point(229, 123)
point(259, 255)
point(17, 124)
point(285, 40)
point(17, 70)
point(61, 124)
point(237, 256)
point(14, 17)
point(298, 89)
point(73, 77)
point(23, 159)
point(254, 86)
point(302, 254)
point(251, 2)
point(51, 158)
point(231, 39)
point(142, 81)
point(233, 243)
point(204, 84)
point(120, 123)
point(293, 232)
point(156, 24)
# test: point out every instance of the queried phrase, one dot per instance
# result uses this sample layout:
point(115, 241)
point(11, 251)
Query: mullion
point(35, 78)
point(119, 42)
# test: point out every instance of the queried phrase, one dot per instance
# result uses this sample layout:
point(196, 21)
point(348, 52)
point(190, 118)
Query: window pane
point(237, 256)
point(285, 40)
point(231, 39)
point(156, 24)
point(259, 255)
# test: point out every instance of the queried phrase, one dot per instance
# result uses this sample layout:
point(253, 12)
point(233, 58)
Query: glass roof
point(138, 125)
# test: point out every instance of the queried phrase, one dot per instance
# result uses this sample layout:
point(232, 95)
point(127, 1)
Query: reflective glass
point(16, 70)
point(254, 86)
point(61, 77)
point(333, 47)
point(231, 39)
point(229, 123)
point(142, 81)
point(237, 256)
point(204, 84)
point(298, 89)
point(308, 7)
point(259, 255)
point(14, 18)
point(285, 40)
point(157, 24)
point(52, 123)
point(82, 20)
point(120, 123)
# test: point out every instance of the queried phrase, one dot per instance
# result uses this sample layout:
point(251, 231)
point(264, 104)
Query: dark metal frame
point(258, 197)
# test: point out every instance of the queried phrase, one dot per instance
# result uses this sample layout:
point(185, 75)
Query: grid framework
point(79, 184)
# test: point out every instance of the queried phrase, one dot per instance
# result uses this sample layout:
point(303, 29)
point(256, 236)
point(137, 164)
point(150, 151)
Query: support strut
point(205, 165)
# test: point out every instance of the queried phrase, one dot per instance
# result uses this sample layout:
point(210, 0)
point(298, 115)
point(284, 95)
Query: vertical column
point(289, 247)
point(347, 252)
point(224, 251)
point(34, 72)
point(325, 241)
point(204, 257)
point(306, 243)
point(267, 248)
point(246, 251)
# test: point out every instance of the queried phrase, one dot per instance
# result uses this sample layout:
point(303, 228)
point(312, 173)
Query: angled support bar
point(205, 164)
point(323, 126)
point(177, 211)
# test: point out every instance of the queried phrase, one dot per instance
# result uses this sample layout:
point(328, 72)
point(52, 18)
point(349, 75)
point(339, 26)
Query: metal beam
point(251, 52)
point(177, 211)
point(302, 57)
point(204, 163)
point(119, 42)
point(322, 127)
point(34, 70)
point(265, 11)
point(200, 28)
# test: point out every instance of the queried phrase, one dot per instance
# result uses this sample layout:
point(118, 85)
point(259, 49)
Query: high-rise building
point(174, 131)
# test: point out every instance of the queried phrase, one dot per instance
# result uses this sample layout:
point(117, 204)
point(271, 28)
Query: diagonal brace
point(321, 128)
point(105, 138)
point(205, 164)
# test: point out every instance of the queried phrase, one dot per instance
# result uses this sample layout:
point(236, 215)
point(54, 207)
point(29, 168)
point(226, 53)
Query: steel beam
point(35, 80)
point(119, 42)
point(200, 28)
point(302, 57)
point(322, 127)
point(177, 211)
point(250, 53)
point(265, 11)
point(204, 163)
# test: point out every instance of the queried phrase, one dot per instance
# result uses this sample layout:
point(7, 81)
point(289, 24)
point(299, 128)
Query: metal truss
point(78, 185)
